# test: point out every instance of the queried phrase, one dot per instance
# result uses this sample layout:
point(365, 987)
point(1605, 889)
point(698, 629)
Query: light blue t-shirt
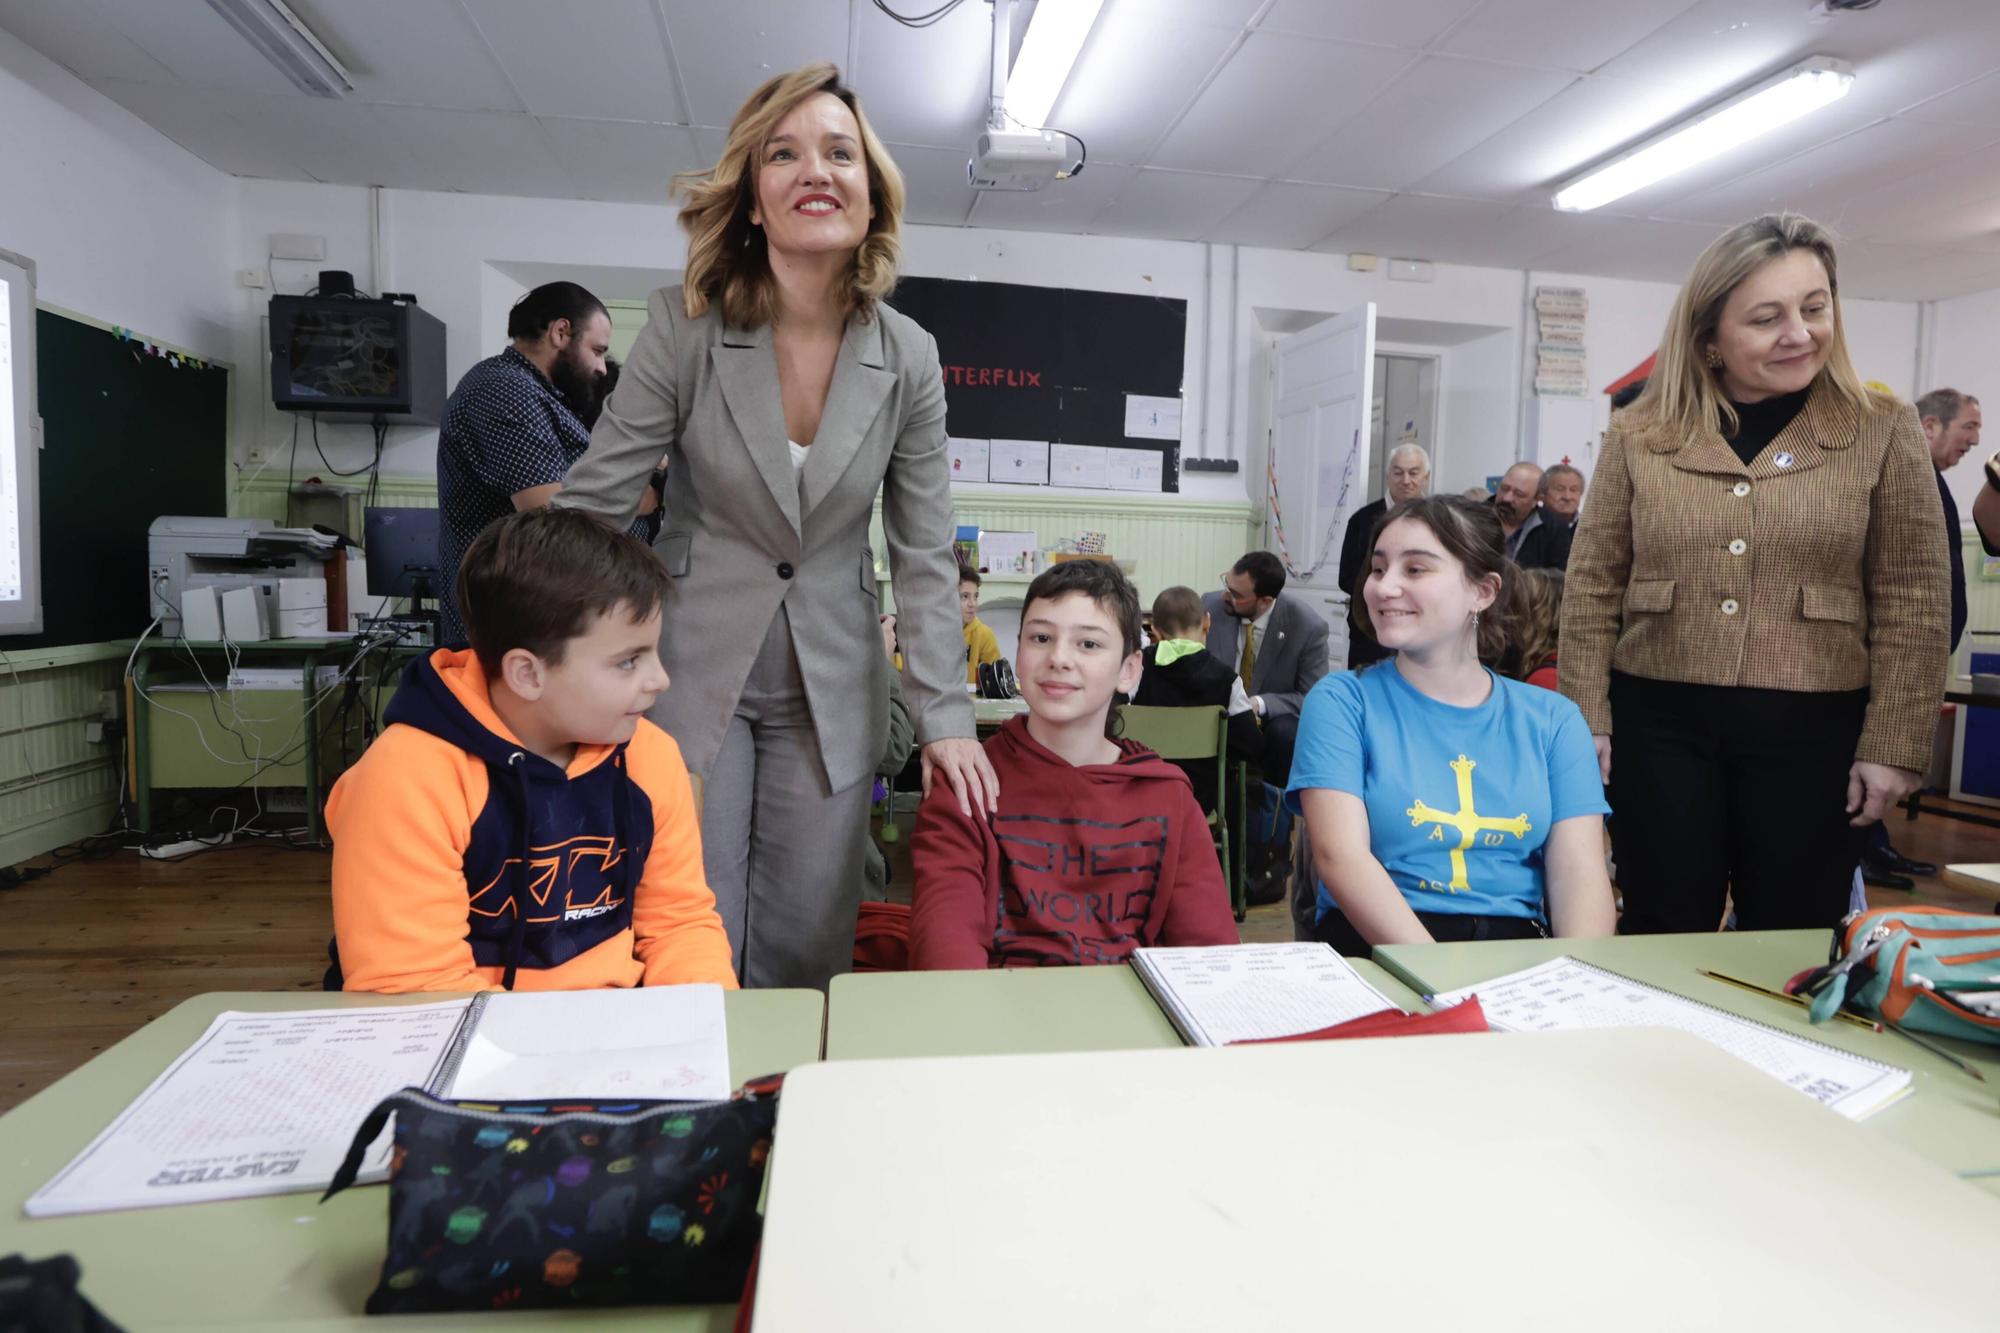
point(1460, 800)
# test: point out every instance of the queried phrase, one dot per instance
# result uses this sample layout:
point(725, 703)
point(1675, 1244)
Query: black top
point(1354, 562)
point(1191, 682)
point(1548, 546)
point(1759, 423)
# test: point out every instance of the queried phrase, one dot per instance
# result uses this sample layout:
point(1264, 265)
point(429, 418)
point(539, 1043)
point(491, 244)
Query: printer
point(276, 575)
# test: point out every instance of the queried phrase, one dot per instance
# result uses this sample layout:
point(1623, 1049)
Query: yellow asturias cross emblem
point(1468, 821)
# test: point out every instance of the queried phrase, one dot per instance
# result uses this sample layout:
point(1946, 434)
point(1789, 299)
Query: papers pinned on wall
point(968, 458)
point(1078, 465)
point(1135, 470)
point(1152, 418)
point(1019, 462)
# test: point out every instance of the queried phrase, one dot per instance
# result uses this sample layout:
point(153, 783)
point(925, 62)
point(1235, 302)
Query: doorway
point(1404, 411)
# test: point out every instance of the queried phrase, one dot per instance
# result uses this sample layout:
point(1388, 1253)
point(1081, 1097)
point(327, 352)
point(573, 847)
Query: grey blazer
point(1291, 659)
point(743, 535)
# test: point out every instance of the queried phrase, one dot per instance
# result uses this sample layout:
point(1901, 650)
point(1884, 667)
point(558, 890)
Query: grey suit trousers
point(770, 818)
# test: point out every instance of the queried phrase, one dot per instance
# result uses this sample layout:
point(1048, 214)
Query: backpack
point(1932, 970)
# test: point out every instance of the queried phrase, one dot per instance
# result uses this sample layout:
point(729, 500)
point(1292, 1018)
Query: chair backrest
point(1178, 733)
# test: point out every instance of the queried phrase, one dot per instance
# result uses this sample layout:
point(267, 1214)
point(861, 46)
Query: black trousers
point(1721, 791)
point(1445, 927)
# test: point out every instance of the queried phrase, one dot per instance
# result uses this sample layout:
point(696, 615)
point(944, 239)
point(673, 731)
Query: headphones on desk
point(996, 680)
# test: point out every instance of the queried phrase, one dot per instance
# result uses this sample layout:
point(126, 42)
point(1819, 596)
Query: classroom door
point(1323, 388)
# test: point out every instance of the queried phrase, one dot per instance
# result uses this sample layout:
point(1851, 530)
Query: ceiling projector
point(1016, 159)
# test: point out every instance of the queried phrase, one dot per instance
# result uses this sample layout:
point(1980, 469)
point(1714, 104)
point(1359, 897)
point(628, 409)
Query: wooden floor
point(97, 949)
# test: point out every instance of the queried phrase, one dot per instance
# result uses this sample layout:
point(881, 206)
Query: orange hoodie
point(432, 829)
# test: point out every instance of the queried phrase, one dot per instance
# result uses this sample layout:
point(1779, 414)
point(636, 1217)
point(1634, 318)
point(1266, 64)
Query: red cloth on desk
point(1467, 1017)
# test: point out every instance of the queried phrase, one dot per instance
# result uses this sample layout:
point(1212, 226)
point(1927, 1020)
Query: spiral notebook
point(267, 1103)
point(1566, 994)
point(1251, 992)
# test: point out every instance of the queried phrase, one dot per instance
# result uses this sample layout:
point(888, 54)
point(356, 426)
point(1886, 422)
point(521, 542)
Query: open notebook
point(1566, 995)
point(267, 1103)
point(1249, 992)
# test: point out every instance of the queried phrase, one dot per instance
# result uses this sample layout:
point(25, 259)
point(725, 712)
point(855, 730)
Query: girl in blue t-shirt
point(1444, 801)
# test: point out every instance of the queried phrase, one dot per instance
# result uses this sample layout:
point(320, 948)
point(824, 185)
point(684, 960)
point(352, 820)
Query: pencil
point(1840, 1014)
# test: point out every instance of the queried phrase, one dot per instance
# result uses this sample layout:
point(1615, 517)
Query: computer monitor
point(402, 546)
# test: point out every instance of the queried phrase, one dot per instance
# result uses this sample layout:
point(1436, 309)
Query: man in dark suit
point(1547, 545)
point(1278, 646)
point(1951, 423)
point(1409, 475)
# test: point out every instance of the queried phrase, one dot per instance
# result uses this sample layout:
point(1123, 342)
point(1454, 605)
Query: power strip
point(171, 850)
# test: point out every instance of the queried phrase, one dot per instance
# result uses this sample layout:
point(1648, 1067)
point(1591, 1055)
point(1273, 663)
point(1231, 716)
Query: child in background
point(981, 646)
point(1180, 672)
point(1098, 847)
point(520, 824)
point(1531, 654)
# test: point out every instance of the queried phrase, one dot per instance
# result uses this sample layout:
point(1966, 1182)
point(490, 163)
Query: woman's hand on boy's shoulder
point(963, 764)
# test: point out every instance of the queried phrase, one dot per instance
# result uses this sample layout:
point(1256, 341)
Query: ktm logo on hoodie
point(556, 867)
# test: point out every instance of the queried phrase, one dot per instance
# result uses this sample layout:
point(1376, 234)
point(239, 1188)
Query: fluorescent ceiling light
point(1055, 36)
point(1779, 100)
point(288, 43)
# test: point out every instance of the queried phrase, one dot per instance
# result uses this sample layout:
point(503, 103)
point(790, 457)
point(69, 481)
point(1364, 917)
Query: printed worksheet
point(1246, 992)
point(1567, 995)
point(261, 1104)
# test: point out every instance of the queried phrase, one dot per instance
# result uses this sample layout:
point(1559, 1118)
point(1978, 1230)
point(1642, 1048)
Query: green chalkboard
point(128, 436)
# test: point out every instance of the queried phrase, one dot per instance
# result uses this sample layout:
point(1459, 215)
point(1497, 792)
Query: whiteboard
point(20, 452)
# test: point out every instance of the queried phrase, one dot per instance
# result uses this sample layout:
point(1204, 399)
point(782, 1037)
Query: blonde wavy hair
point(1684, 394)
point(727, 263)
point(1537, 625)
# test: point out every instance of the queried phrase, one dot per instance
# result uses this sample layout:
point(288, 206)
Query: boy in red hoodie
point(520, 823)
point(1098, 847)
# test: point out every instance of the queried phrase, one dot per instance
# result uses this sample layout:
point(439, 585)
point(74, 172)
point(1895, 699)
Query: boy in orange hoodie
point(1098, 847)
point(520, 824)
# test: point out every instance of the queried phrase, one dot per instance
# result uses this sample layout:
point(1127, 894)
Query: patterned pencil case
point(570, 1204)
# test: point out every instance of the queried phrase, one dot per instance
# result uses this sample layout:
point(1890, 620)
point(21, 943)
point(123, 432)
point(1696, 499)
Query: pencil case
point(1923, 970)
point(568, 1205)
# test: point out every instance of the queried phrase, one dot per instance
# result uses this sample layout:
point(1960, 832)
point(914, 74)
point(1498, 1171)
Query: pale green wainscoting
point(1174, 541)
point(56, 785)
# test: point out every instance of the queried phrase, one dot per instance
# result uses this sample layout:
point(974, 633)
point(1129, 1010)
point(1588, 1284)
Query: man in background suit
point(1408, 476)
point(1278, 645)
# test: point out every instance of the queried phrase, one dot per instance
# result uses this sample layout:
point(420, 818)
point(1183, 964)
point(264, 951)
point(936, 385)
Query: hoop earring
point(1713, 358)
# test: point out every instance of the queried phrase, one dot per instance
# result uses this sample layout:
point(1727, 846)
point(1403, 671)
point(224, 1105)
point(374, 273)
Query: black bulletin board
point(1050, 363)
point(128, 436)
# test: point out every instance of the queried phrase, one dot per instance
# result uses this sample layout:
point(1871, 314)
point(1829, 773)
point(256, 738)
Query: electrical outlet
point(252, 278)
point(254, 455)
point(109, 702)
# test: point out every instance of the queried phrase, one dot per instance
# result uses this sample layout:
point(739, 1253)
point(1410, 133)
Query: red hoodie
point(1080, 865)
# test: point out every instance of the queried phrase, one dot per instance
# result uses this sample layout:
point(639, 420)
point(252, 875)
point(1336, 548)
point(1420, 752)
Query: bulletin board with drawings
point(1049, 386)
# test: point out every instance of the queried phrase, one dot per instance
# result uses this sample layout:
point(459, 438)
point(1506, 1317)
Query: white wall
point(123, 225)
point(1627, 317)
point(1965, 355)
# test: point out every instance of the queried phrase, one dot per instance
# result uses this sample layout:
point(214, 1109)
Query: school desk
point(1949, 1117)
point(286, 1261)
point(1630, 1180)
point(1009, 1011)
point(1982, 880)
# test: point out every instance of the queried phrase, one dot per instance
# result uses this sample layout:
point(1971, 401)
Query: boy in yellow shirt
point(981, 646)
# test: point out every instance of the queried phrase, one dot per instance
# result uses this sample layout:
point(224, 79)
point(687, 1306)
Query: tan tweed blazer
point(1817, 568)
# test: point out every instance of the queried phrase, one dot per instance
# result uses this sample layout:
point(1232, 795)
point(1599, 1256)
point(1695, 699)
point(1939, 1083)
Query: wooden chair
point(1196, 735)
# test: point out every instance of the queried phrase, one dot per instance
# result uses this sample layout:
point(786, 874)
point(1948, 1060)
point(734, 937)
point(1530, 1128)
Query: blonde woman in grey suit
point(784, 395)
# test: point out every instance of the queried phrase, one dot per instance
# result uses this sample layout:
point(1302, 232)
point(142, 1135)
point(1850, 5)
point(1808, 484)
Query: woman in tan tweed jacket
point(1757, 613)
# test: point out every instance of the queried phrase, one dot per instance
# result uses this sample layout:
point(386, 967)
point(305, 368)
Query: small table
point(1950, 1118)
point(992, 714)
point(296, 754)
point(1011, 1011)
point(285, 1261)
